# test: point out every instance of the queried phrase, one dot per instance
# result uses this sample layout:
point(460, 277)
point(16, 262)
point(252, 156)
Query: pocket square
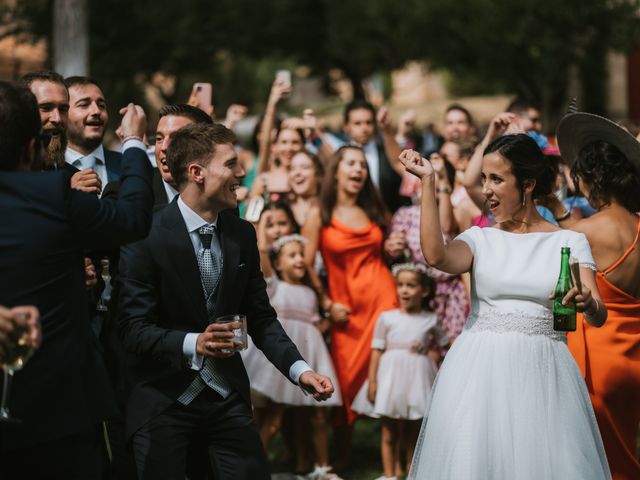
point(241, 265)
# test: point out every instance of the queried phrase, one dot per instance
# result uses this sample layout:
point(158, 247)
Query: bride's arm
point(455, 257)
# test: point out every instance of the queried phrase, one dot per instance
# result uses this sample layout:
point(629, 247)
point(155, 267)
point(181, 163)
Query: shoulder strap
point(625, 254)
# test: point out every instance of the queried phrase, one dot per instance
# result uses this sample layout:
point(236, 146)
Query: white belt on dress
point(513, 321)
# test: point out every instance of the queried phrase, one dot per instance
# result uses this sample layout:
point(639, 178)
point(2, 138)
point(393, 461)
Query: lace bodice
point(513, 275)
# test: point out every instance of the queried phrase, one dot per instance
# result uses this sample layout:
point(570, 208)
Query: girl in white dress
point(401, 372)
point(296, 304)
point(509, 402)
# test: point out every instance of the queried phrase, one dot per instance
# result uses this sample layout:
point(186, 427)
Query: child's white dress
point(405, 372)
point(297, 309)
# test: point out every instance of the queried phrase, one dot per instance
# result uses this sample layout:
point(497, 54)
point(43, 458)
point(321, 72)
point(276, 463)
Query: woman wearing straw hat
point(605, 163)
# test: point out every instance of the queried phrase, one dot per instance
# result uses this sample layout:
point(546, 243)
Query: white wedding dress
point(509, 402)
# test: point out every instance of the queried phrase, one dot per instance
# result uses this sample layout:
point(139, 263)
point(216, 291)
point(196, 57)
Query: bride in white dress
point(509, 402)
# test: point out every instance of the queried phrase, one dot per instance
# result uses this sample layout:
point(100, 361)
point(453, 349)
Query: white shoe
point(322, 473)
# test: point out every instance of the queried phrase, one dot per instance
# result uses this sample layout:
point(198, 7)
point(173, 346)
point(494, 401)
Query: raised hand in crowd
point(134, 122)
point(279, 90)
point(501, 124)
point(235, 113)
point(195, 101)
point(415, 164)
point(388, 132)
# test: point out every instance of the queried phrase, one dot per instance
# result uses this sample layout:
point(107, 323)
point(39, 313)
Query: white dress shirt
point(171, 192)
point(193, 221)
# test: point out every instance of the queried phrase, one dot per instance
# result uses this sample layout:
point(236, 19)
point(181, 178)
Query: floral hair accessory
point(410, 267)
point(282, 241)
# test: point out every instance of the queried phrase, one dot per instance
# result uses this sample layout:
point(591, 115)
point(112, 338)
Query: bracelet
point(563, 217)
point(443, 190)
point(131, 137)
point(327, 311)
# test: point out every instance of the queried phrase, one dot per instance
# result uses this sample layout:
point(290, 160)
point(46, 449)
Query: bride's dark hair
point(527, 162)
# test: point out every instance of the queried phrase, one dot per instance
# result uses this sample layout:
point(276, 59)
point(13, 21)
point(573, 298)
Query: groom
point(197, 264)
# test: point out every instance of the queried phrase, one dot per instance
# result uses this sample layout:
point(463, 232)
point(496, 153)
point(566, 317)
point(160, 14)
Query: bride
point(509, 402)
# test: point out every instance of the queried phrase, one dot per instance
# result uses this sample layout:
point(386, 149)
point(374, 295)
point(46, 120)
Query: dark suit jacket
point(113, 162)
point(161, 300)
point(45, 228)
point(160, 198)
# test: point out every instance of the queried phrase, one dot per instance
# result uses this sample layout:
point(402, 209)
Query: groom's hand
point(317, 385)
point(216, 340)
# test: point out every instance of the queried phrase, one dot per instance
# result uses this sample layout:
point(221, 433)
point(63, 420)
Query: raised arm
point(278, 91)
point(263, 244)
point(455, 257)
point(471, 180)
point(111, 222)
point(443, 189)
point(391, 147)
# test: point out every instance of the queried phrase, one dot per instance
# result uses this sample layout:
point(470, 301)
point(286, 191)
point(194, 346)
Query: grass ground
point(365, 458)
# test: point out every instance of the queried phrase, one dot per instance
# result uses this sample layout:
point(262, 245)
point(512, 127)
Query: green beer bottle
point(564, 316)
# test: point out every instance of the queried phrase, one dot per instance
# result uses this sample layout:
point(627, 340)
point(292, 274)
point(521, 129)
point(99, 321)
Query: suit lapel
point(112, 161)
point(183, 259)
point(159, 192)
point(231, 259)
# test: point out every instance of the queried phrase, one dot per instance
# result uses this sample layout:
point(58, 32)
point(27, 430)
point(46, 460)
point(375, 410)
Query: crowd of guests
point(336, 223)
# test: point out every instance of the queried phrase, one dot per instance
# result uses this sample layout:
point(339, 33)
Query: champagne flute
point(19, 351)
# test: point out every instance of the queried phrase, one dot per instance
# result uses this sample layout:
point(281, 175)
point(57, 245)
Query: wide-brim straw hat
point(576, 130)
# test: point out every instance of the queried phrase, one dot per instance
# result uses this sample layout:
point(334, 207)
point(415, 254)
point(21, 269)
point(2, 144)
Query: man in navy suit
point(88, 119)
point(62, 395)
point(199, 263)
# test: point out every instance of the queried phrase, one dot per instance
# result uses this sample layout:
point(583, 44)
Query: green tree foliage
point(524, 46)
point(529, 46)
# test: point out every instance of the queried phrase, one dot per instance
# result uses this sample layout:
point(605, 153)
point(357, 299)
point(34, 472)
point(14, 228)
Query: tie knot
point(88, 161)
point(206, 235)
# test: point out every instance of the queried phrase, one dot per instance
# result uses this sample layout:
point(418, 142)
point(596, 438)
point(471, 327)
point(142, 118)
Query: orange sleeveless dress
point(360, 280)
point(609, 358)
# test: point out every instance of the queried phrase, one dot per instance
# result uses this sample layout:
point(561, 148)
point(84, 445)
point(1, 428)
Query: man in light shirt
point(87, 123)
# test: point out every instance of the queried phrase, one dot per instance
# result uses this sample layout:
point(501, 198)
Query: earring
point(524, 200)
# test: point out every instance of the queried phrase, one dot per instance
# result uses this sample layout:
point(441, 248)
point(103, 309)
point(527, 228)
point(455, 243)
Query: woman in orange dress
point(348, 229)
point(606, 166)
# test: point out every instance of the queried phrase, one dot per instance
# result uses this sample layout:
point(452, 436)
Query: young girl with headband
point(401, 371)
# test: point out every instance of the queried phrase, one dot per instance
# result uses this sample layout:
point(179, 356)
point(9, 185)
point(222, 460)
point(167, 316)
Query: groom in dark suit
point(197, 264)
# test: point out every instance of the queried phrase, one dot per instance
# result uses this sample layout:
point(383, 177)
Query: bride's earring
point(524, 199)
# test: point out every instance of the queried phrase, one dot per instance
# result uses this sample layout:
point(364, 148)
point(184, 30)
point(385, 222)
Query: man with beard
point(62, 394)
point(53, 104)
point(88, 118)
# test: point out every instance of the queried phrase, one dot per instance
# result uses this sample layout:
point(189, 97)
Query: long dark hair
point(283, 206)
point(368, 199)
point(527, 162)
point(609, 175)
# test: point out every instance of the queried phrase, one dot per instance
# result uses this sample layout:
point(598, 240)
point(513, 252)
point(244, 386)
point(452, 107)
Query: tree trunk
point(70, 37)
